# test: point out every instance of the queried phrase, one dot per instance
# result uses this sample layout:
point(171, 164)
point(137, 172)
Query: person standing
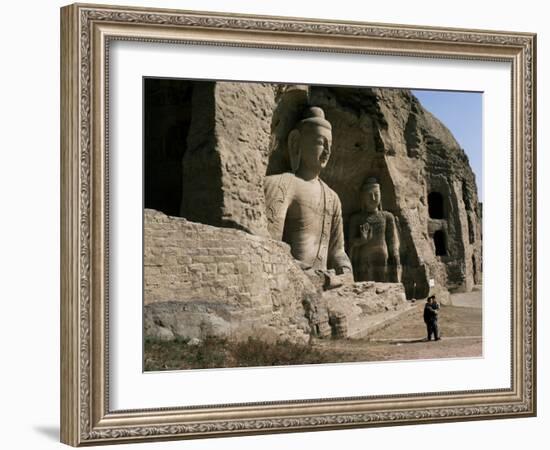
point(435, 323)
point(431, 313)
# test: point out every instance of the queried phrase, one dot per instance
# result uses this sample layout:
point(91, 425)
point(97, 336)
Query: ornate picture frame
point(86, 34)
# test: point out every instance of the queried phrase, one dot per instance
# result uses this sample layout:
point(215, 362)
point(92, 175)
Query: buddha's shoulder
point(331, 193)
point(278, 186)
point(388, 215)
point(279, 178)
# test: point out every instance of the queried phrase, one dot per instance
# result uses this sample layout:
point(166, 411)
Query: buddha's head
point(370, 195)
point(309, 143)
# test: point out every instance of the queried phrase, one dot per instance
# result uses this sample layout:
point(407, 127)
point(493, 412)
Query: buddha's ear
point(294, 152)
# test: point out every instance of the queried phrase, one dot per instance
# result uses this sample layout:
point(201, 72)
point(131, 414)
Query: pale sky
point(461, 112)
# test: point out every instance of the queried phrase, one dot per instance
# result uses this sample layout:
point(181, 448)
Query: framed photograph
point(274, 224)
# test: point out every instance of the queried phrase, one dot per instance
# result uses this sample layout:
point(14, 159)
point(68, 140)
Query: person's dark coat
point(431, 311)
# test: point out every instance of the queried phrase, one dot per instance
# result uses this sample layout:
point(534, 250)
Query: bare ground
point(461, 330)
point(404, 339)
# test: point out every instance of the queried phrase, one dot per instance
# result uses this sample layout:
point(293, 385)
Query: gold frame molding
point(86, 31)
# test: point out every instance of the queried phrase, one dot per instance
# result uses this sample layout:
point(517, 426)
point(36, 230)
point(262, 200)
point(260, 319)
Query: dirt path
point(469, 299)
point(461, 331)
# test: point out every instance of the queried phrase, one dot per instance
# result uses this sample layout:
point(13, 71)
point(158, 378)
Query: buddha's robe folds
point(377, 257)
point(308, 217)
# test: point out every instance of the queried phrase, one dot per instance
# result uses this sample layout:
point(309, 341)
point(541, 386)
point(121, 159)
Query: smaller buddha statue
point(373, 239)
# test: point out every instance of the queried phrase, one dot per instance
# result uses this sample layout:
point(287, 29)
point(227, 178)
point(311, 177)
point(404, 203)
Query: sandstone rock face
point(424, 175)
point(226, 158)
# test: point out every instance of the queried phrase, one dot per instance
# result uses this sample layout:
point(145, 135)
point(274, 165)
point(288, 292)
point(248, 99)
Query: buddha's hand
point(365, 232)
point(303, 265)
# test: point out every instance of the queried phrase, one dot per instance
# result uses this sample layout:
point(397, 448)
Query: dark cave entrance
point(166, 122)
point(435, 205)
point(440, 242)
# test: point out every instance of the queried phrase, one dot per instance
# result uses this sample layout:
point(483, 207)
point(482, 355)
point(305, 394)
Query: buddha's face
point(371, 198)
point(315, 143)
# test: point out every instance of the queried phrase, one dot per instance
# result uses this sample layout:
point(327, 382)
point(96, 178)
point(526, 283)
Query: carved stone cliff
point(425, 178)
point(233, 134)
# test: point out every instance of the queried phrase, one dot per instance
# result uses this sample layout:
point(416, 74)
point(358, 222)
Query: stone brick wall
point(201, 280)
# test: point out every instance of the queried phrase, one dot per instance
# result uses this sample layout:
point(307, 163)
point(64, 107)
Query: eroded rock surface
point(355, 310)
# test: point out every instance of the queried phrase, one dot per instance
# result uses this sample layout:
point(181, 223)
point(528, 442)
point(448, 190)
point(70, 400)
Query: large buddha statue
point(301, 209)
point(373, 239)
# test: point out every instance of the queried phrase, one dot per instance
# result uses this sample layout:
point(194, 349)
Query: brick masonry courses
point(201, 280)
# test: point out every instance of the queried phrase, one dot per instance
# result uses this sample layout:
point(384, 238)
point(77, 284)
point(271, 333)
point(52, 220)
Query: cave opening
point(471, 230)
point(166, 122)
point(440, 243)
point(435, 205)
